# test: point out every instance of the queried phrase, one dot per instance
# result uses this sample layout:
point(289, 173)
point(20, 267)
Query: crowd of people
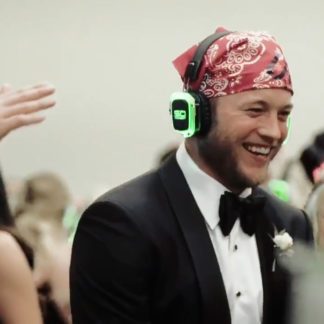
point(195, 240)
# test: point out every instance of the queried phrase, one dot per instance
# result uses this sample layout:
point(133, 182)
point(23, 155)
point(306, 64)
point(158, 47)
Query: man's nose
point(273, 128)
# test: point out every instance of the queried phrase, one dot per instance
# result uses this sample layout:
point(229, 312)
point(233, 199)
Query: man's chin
point(256, 180)
point(253, 178)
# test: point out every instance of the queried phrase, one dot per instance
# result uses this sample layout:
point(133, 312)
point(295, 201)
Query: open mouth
point(258, 150)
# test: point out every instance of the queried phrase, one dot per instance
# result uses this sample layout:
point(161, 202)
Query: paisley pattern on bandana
point(275, 73)
point(237, 62)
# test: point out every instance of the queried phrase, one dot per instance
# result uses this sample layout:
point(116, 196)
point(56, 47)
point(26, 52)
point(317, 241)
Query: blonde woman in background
point(41, 206)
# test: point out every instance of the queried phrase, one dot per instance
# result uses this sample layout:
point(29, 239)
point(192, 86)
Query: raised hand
point(21, 107)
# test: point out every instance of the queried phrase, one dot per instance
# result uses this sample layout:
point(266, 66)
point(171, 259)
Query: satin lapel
point(273, 277)
point(215, 307)
point(264, 234)
point(268, 221)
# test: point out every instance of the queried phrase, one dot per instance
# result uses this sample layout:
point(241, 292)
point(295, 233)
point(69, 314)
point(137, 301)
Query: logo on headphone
point(179, 114)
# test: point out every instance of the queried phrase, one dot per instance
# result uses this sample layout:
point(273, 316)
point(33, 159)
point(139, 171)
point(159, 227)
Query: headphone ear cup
point(203, 113)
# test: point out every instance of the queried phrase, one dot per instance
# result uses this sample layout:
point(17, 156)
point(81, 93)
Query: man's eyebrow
point(266, 104)
point(288, 107)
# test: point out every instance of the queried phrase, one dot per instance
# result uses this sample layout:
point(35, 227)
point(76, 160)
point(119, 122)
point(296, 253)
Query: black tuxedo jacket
point(142, 254)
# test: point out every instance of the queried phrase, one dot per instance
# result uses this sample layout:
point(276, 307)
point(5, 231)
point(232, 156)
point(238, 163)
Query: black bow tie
point(232, 207)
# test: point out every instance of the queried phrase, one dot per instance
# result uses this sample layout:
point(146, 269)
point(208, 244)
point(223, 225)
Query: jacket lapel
point(263, 235)
point(215, 307)
point(273, 278)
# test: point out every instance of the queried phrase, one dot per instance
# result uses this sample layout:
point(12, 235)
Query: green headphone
point(190, 110)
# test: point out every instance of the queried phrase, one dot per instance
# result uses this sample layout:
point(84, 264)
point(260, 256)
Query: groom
point(192, 242)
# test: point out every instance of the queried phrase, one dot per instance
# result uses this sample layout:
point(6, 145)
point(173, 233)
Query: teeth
point(259, 150)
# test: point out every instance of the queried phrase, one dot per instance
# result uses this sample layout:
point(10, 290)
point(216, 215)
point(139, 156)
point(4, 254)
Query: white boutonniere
point(283, 244)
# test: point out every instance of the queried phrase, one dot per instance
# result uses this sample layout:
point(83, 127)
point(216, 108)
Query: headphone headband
point(194, 65)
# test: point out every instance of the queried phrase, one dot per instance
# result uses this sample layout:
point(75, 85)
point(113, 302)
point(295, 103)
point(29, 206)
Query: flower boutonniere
point(283, 244)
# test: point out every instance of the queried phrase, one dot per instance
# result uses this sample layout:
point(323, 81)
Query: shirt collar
point(205, 189)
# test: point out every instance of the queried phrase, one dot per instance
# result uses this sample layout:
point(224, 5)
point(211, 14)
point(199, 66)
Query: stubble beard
point(218, 154)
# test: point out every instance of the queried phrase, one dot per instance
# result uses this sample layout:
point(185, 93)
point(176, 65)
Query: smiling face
point(247, 131)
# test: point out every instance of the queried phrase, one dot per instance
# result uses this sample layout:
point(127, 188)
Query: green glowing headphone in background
point(288, 130)
point(280, 188)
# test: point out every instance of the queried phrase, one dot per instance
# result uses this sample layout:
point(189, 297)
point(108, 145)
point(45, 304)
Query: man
point(164, 248)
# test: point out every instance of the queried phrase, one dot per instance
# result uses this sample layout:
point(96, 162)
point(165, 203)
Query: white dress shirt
point(237, 253)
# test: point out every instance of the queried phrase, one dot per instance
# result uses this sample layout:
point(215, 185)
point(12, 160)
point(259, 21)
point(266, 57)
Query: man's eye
point(284, 115)
point(255, 110)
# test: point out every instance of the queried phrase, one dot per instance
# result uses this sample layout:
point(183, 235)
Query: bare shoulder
point(17, 285)
point(8, 242)
point(11, 255)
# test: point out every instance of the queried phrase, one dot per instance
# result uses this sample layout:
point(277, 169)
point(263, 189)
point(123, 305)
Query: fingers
point(20, 107)
point(17, 121)
point(33, 93)
point(26, 100)
point(27, 107)
point(5, 88)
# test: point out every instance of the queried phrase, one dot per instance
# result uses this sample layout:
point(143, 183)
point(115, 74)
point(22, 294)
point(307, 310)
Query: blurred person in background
point(315, 210)
point(313, 161)
point(19, 302)
point(301, 172)
point(304, 178)
point(41, 209)
point(307, 266)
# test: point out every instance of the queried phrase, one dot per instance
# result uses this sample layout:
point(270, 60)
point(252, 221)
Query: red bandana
point(237, 62)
